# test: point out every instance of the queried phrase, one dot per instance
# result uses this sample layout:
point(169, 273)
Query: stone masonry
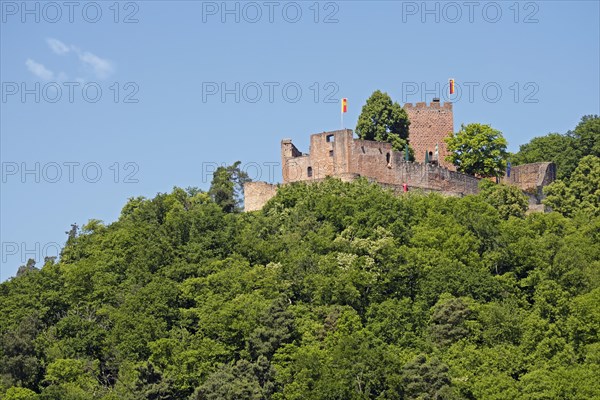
point(531, 179)
point(338, 154)
point(430, 125)
point(256, 194)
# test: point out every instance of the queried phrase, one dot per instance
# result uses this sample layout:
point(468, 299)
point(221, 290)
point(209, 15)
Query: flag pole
point(342, 113)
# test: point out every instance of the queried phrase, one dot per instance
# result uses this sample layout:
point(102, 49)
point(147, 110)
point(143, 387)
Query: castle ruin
point(338, 154)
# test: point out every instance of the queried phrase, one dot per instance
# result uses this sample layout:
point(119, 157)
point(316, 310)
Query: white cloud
point(57, 46)
point(102, 68)
point(39, 70)
point(62, 77)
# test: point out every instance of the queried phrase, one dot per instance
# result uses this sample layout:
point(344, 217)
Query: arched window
point(387, 158)
point(309, 172)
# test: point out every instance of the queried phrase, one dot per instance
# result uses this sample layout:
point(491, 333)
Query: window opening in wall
point(309, 172)
point(330, 138)
point(330, 153)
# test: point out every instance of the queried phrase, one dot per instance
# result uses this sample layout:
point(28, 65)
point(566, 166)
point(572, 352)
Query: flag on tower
point(344, 105)
point(451, 86)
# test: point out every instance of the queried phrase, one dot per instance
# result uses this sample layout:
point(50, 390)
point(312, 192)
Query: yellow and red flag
point(344, 105)
point(451, 86)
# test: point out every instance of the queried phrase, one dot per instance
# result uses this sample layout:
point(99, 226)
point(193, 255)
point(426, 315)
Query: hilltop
point(332, 290)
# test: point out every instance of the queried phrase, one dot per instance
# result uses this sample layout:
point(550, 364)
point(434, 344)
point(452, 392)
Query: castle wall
point(430, 125)
point(338, 154)
point(329, 156)
point(531, 178)
point(256, 194)
point(374, 160)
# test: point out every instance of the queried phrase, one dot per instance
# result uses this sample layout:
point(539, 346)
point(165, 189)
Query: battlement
point(338, 154)
point(434, 105)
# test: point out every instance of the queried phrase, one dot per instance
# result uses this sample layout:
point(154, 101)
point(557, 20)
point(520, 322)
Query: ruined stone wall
point(531, 179)
point(430, 124)
point(389, 168)
point(373, 160)
point(328, 156)
point(256, 194)
point(338, 154)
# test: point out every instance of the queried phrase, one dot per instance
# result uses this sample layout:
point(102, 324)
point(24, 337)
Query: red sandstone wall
point(348, 158)
point(256, 194)
point(345, 156)
point(530, 178)
point(430, 125)
point(326, 158)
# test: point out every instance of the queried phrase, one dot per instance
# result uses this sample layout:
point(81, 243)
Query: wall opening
point(330, 153)
point(309, 172)
point(330, 138)
point(387, 158)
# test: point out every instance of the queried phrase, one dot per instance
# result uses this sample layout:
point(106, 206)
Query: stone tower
point(430, 125)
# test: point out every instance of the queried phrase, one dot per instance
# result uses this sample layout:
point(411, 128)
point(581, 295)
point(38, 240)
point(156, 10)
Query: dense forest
point(332, 291)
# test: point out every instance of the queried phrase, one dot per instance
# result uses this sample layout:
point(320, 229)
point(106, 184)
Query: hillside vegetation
point(332, 291)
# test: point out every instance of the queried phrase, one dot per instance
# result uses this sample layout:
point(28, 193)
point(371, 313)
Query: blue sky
point(137, 97)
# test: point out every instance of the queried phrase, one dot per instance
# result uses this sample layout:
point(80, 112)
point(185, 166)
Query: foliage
point(564, 150)
point(383, 120)
point(507, 199)
point(478, 149)
point(581, 193)
point(227, 186)
point(424, 378)
point(332, 291)
point(554, 147)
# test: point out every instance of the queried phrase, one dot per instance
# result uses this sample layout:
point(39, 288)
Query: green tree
point(509, 200)
point(564, 150)
point(19, 361)
point(580, 193)
point(72, 379)
point(448, 320)
point(478, 149)
point(29, 267)
point(587, 135)
point(560, 149)
point(19, 393)
point(335, 290)
point(241, 380)
point(227, 187)
point(426, 379)
point(384, 121)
